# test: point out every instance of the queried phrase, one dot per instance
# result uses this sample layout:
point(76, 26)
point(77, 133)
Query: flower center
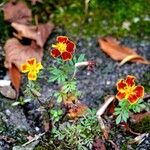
point(129, 91)
point(60, 46)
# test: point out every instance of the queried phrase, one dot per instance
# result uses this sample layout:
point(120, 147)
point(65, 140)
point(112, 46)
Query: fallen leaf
point(46, 126)
point(15, 78)
point(139, 139)
point(100, 112)
point(135, 118)
point(127, 128)
point(98, 144)
point(77, 110)
point(129, 58)
point(38, 33)
point(117, 52)
point(17, 12)
point(69, 100)
point(8, 92)
point(17, 54)
point(35, 1)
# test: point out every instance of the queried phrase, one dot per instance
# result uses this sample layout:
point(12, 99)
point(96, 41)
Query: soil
point(94, 85)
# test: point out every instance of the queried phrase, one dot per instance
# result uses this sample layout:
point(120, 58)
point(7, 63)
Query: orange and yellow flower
point(64, 48)
point(32, 68)
point(128, 90)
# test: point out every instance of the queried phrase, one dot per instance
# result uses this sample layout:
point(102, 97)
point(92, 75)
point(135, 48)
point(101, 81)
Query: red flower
point(128, 90)
point(64, 48)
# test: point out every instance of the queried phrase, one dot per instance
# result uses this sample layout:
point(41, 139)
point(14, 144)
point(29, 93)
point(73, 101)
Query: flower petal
point(139, 90)
point(55, 53)
point(63, 39)
point(32, 75)
point(66, 56)
point(31, 61)
point(38, 67)
point(25, 68)
point(130, 80)
point(70, 47)
point(120, 95)
point(133, 98)
point(121, 85)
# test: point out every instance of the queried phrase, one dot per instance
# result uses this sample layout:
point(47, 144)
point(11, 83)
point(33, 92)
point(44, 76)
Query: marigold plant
point(130, 98)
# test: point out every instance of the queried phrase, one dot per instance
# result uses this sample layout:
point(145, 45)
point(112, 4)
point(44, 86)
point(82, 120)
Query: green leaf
point(81, 58)
point(118, 119)
point(15, 103)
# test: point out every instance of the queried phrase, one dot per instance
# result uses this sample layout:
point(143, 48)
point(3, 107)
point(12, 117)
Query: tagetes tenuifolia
point(64, 48)
point(32, 67)
point(128, 90)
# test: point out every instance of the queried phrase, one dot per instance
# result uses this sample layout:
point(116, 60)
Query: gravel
point(93, 85)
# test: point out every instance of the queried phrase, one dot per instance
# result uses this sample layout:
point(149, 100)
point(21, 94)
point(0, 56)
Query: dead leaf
point(15, 78)
point(136, 118)
point(101, 111)
point(139, 139)
point(8, 92)
point(127, 128)
point(17, 54)
point(129, 58)
point(38, 33)
point(69, 100)
point(35, 1)
point(77, 110)
point(46, 124)
point(117, 52)
point(98, 144)
point(17, 12)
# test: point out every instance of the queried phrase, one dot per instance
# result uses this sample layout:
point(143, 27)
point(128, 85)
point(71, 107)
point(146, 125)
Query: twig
point(80, 64)
point(34, 139)
point(100, 112)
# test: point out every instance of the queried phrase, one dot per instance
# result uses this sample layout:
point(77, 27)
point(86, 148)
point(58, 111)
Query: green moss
point(143, 126)
point(104, 17)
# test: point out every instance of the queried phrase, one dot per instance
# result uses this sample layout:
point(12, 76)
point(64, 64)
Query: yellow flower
point(32, 68)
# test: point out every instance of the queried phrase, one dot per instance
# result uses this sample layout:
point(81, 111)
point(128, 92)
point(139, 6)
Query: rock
point(16, 118)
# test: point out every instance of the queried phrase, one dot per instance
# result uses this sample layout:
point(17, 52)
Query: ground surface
point(93, 85)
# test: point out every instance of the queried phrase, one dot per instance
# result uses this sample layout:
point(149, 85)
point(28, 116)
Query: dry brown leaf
point(38, 33)
point(139, 116)
point(139, 139)
point(17, 54)
point(46, 125)
point(77, 110)
point(15, 77)
point(101, 111)
point(117, 52)
point(129, 58)
point(35, 1)
point(17, 12)
point(8, 92)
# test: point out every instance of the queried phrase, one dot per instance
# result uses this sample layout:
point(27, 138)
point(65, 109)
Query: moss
point(143, 126)
point(104, 17)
